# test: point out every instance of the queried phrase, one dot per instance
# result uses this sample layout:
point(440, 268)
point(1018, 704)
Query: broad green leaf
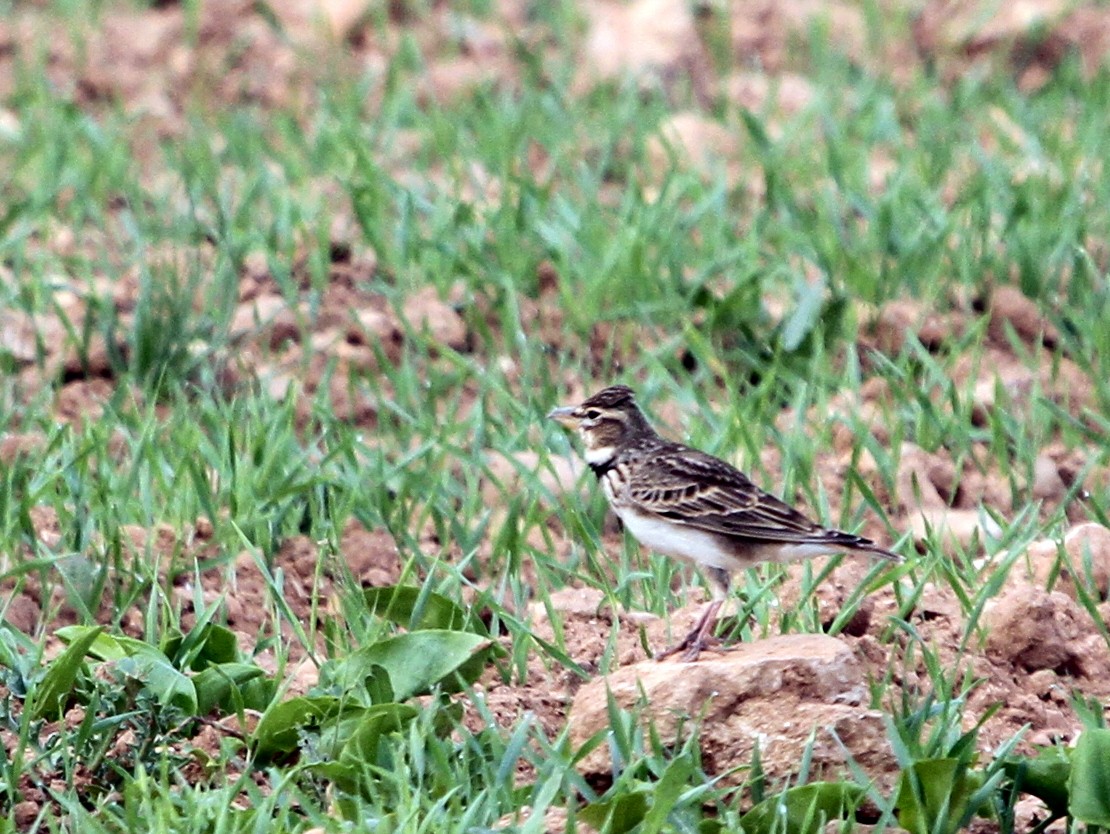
point(214, 686)
point(103, 647)
point(279, 728)
point(257, 694)
point(804, 809)
point(106, 646)
point(617, 815)
point(668, 789)
point(933, 796)
point(415, 610)
point(56, 686)
point(379, 688)
point(15, 649)
point(1045, 777)
point(211, 643)
point(334, 733)
point(1089, 783)
point(417, 661)
point(156, 673)
point(343, 776)
point(375, 722)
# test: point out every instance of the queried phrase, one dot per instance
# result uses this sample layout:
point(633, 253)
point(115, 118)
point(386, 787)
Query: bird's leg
point(700, 635)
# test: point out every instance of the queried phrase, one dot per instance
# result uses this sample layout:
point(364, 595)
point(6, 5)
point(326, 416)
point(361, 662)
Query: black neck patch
point(600, 469)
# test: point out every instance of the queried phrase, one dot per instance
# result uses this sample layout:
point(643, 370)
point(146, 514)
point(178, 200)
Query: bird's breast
point(613, 484)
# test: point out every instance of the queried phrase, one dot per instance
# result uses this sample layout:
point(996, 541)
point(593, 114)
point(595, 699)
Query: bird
point(684, 503)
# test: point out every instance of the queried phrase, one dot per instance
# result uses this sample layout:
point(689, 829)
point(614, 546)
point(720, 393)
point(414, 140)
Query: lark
point(687, 504)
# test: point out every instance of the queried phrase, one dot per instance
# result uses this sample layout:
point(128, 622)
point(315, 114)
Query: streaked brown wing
point(699, 490)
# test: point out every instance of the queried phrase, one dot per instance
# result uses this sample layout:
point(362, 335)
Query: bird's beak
point(565, 416)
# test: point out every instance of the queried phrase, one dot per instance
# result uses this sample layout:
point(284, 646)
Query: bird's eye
point(593, 414)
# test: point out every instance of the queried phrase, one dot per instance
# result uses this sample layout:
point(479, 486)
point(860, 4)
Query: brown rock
point(691, 139)
point(896, 319)
point(426, 311)
point(342, 16)
point(766, 31)
point(645, 39)
point(1087, 547)
point(924, 479)
point(1033, 628)
point(267, 313)
point(1047, 484)
point(371, 555)
point(956, 31)
point(580, 603)
point(1015, 384)
point(18, 337)
point(773, 693)
point(1010, 306)
point(23, 613)
point(952, 526)
point(892, 322)
point(1091, 542)
point(24, 814)
point(1092, 656)
point(757, 91)
point(13, 446)
point(451, 79)
point(83, 399)
point(833, 594)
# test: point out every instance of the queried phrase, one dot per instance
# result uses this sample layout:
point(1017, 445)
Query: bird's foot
point(690, 646)
point(700, 635)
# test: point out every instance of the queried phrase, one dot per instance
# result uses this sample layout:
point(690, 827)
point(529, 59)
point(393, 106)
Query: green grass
point(662, 276)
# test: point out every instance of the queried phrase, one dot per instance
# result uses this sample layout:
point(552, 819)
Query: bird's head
point(606, 421)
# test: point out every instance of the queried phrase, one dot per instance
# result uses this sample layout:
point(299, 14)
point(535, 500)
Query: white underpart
point(671, 539)
point(704, 548)
point(600, 455)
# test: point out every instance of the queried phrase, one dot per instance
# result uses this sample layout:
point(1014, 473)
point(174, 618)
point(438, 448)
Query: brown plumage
point(685, 503)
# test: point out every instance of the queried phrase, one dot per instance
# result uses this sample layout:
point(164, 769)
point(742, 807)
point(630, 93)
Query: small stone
point(1047, 483)
point(1032, 628)
point(17, 445)
point(18, 337)
point(1015, 383)
point(692, 139)
point(961, 528)
point(644, 39)
point(758, 91)
point(580, 603)
point(23, 613)
point(24, 814)
point(1042, 682)
point(1010, 306)
point(1091, 542)
point(922, 478)
point(267, 313)
point(426, 311)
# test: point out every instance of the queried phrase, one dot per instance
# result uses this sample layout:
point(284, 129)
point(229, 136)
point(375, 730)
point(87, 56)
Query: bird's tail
point(869, 547)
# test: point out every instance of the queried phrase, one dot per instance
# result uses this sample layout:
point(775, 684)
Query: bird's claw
point(691, 647)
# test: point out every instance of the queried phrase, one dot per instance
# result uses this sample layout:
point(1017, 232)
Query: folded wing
point(707, 494)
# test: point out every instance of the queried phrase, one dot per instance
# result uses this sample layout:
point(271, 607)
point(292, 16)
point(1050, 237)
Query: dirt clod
point(1033, 628)
point(425, 310)
point(773, 692)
